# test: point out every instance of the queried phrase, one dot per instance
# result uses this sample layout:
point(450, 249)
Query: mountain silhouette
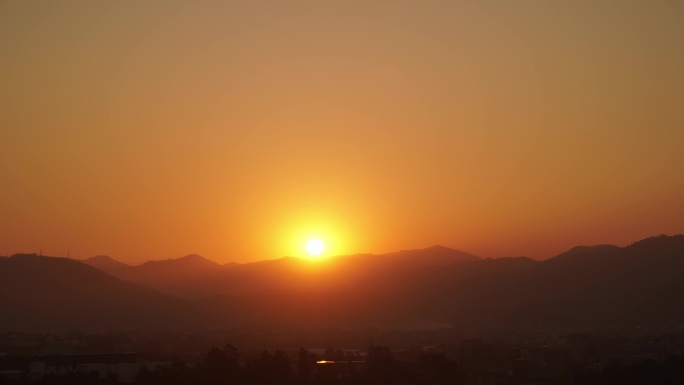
point(640, 284)
point(107, 264)
point(48, 293)
point(585, 251)
point(194, 276)
point(188, 276)
point(435, 255)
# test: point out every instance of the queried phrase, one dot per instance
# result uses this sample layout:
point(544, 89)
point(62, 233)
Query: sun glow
point(315, 237)
point(314, 247)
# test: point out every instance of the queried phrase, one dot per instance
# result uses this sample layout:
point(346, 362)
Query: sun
point(314, 247)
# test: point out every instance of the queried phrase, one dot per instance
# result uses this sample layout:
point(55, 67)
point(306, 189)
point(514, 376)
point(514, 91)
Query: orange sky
point(236, 130)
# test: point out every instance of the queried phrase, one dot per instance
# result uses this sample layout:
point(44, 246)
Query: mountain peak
point(194, 260)
point(193, 257)
point(659, 244)
point(656, 245)
point(435, 255)
point(438, 248)
point(102, 258)
point(105, 263)
point(583, 250)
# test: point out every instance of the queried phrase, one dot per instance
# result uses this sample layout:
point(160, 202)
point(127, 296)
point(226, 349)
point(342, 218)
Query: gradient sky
point(236, 130)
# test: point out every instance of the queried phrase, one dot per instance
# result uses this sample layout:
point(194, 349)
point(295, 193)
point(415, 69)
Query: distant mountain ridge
point(50, 293)
point(195, 276)
point(106, 263)
point(586, 250)
point(640, 284)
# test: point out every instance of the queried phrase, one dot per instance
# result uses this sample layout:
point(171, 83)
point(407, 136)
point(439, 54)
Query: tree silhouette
point(437, 369)
point(383, 368)
point(306, 364)
point(220, 365)
point(271, 369)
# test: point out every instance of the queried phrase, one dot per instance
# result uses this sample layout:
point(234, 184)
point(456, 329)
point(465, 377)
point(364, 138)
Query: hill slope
point(45, 293)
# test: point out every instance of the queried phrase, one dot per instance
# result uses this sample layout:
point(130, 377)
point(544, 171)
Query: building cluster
point(121, 366)
point(482, 358)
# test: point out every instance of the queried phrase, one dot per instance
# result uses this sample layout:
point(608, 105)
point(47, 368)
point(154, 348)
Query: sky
point(239, 129)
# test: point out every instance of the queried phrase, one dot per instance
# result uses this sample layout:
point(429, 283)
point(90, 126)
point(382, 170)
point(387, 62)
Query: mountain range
point(642, 283)
point(196, 277)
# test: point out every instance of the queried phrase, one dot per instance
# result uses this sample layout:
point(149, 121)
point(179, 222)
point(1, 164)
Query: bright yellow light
point(314, 247)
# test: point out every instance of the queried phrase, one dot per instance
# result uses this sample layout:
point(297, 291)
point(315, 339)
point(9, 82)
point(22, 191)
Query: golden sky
point(238, 129)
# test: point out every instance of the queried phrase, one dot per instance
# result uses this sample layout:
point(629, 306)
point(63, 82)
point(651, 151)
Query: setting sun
point(314, 247)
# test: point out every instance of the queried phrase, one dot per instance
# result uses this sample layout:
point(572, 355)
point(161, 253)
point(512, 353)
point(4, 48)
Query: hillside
point(641, 284)
point(45, 293)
